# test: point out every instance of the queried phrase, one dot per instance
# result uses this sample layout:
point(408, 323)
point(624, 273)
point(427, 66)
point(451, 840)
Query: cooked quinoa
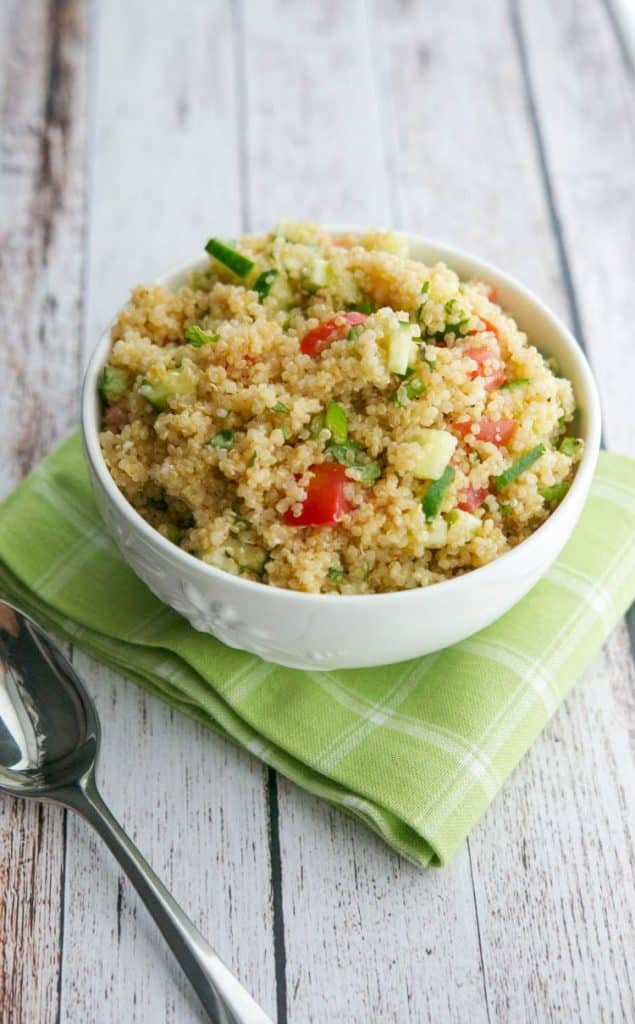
point(325, 414)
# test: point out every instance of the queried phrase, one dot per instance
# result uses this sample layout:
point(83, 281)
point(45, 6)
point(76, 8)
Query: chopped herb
point(411, 388)
point(366, 472)
point(505, 508)
point(571, 446)
point(198, 337)
point(263, 283)
point(113, 383)
point(354, 332)
point(352, 455)
point(240, 522)
point(279, 407)
point(435, 492)
point(554, 493)
point(431, 363)
point(509, 385)
point(223, 439)
point(230, 258)
point(335, 574)
point(337, 422)
point(522, 464)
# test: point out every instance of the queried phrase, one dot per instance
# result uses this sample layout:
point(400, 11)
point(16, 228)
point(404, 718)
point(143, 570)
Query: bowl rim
point(447, 253)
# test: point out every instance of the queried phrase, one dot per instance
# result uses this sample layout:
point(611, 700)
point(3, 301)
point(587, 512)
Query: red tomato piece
point(320, 337)
point(481, 356)
point(489, 326)
point(472, 498)
point(498, 432)
point(325, 503)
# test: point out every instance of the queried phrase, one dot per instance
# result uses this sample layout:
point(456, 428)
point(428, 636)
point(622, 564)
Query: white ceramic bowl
point(319, 631)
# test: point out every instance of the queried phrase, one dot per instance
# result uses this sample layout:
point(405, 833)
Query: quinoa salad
point(322, 413)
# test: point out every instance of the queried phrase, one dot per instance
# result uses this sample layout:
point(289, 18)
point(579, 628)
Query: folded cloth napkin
point(416, 750)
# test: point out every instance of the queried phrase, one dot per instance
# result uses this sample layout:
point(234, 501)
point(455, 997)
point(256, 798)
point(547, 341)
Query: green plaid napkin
point(416, 750)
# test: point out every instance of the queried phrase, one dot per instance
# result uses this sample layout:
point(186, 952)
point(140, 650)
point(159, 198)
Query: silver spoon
point(49, 741)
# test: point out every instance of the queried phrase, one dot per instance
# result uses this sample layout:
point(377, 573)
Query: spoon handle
point(222, 995)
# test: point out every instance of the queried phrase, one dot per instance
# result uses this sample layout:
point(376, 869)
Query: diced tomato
point(481, 356)
point(472, 498)
point(325, 503)
point(498, 432)
point(490, 291)
point(316, 340)
point(489, 326)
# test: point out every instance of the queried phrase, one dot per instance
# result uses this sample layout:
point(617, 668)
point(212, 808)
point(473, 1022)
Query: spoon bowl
point(49, 742)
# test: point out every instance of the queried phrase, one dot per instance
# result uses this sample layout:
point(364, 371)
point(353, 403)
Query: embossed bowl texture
point(320, 631)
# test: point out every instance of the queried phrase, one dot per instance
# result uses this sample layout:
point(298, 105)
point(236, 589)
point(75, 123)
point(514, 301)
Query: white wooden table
point(133, 129)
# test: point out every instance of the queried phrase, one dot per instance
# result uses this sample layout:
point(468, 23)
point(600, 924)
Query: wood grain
point(367, 936)
point(196, 806)
point(207, 121)
point(44, 89)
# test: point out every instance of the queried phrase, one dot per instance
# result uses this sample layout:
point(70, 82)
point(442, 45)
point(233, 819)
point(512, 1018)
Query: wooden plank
point(548, 918)
point(164, 123)
point(586, 104)
point(43, 68)
point(367, 936)
point(570, 869)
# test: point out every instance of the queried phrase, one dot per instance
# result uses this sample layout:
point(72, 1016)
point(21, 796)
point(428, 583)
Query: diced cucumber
point(171, 384)
point(113, 383)
point(437, 448)
point(248, 557)
point(435, 533)
point(319, 274)
point(400, 348)
point(461, 526)
point(571, 446)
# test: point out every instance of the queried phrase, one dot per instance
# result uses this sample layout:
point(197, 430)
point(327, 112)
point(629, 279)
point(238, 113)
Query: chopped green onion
point(263, 283)
point(337, 422)
point(509, 385)
point(113, 383)
point(230, 258)
point(335, 574)
point(411, 388)
point(223, 439)
point(279, 407)
point(435, 492)
point(354, 332)
point(505, 508)
point(554, 493)
point(571, 446)
point(362, 307)
point(507, 477)
point(198, 337)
